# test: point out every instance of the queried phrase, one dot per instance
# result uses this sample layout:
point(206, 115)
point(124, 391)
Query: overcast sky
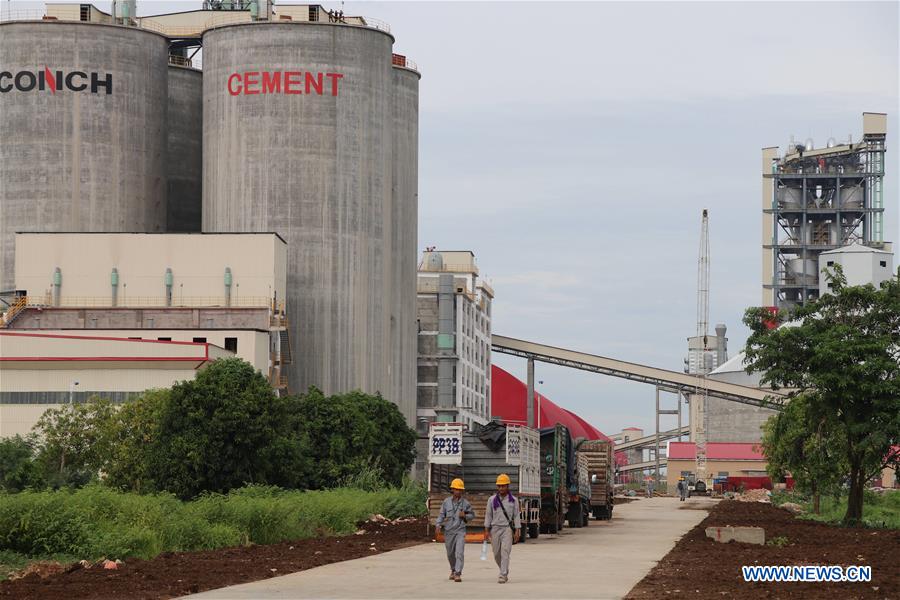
point(572, 147)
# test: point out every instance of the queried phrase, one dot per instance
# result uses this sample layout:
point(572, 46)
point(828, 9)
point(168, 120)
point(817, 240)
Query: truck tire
point(534, 530)
point(601, 513)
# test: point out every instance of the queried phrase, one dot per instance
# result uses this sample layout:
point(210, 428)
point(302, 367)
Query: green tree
point(222, 430)
point(348, 434)
point(18, 468)
point(75, 440)
point(129, 462)
point(809, 447)
point(845, 352)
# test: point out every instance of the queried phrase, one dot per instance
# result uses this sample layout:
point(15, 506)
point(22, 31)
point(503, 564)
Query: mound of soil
point(699, 567)
point(174, 574)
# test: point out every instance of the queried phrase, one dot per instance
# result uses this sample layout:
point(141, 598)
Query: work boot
point(457, 578)
point(452, 576)
point(502, 579)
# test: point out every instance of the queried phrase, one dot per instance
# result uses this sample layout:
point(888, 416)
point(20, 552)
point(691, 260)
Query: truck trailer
point(478, 457)
point(600, 456)
point(580, 493)
point(555, 477)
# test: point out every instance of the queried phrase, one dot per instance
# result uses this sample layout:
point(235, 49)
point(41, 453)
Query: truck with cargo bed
point(478, 457)
point(600, 456)
point(579, 493)
point(554, 477)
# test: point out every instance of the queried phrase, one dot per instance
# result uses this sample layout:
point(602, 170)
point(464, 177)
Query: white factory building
point(454, 361)
point(121, 313)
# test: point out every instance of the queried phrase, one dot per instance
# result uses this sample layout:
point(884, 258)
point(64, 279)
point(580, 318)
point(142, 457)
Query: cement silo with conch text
point(83, 109)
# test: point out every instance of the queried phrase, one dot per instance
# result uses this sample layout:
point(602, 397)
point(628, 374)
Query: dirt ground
point(699, 567)
point(176, 574)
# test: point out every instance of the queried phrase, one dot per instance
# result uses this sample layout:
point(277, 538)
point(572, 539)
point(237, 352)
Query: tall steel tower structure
point(700, 399)
point(819, 199)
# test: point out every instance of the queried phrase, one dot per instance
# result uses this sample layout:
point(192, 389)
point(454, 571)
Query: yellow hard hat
point(681, 479)
point(503, 479)
point(457, 484)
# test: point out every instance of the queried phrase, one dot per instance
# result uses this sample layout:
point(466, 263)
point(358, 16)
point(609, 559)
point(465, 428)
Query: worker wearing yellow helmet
point(455, 513)
point(502, 524)
point(682, 489)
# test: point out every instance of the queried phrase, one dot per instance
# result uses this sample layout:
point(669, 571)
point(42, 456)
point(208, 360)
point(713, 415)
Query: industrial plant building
point(454, 351)
point(302, 122)
point(39, 370)
point(816, 200)
point(221, 290)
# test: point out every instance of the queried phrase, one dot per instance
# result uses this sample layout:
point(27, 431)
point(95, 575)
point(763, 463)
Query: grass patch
point(96, 522)
point(879, 510)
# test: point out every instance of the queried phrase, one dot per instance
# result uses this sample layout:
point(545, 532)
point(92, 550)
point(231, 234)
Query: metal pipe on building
point(228, 280)
point(114, 283)
point(57, 285)
point(169, 282)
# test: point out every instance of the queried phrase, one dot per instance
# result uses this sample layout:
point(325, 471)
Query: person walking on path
point(502, 525)
point(455, 513)
point(682, 489)
point(649, 487)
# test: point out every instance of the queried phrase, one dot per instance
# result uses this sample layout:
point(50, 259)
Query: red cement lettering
point(334, 82)
point(314, 80)
point(251, 78)
point(231, 90)
point(292, 78)
point(271, 82)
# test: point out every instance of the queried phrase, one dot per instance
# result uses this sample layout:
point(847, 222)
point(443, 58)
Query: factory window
point(199, 340)
point(165, 339)
point(231, 344)
point(830, 263)
point(883, 263)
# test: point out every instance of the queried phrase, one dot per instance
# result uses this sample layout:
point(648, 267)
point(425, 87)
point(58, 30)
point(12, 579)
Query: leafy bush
point(349, 434)
point(18, 467)
point(95, 521)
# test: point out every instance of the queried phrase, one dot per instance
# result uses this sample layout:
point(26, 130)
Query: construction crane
point(702, 396)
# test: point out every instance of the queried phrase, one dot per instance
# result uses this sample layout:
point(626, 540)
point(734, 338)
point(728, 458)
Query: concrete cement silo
point(297, 140)
point(404, 233)
point(184, 157)
point(82, 130)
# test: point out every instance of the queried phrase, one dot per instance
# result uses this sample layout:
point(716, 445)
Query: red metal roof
point(716, 451)
point(508, 396)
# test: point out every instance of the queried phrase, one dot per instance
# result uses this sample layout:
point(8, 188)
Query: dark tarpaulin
point(492, 435)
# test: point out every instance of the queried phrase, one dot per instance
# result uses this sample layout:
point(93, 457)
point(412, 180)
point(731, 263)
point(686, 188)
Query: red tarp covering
point(508, 402)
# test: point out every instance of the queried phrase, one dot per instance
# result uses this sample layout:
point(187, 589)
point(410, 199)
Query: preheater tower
point(297, 139)
point(83, 111)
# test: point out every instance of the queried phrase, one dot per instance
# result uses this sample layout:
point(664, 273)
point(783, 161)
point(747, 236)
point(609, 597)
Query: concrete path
point(604, 560)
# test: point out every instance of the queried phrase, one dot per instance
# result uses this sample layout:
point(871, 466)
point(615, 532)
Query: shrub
point(18, 468)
